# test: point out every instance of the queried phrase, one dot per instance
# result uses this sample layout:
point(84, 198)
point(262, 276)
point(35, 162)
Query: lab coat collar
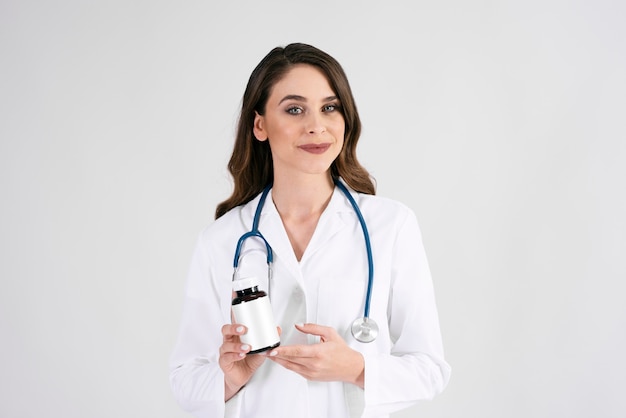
point(272, 228)
point(329, 224)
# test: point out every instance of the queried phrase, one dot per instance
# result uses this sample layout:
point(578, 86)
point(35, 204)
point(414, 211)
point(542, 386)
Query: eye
point(331, 107)
point(294, 110)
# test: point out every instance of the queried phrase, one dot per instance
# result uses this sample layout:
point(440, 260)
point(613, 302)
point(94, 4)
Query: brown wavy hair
point(251, 161)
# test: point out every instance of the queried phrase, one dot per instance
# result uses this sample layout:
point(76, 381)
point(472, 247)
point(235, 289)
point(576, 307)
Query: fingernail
point(300, 324)
point(273, 353)
point(245, 347)
point(239, 329)
point(242, 354)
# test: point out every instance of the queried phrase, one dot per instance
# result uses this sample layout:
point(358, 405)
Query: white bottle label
point(258, 317)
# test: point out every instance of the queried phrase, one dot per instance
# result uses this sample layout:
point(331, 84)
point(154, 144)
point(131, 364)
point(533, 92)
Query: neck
point(302, 198)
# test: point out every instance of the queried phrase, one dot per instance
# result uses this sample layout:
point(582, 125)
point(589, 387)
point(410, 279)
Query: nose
point(315, 124)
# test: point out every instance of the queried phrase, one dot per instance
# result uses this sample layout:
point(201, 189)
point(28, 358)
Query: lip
point(315, 148)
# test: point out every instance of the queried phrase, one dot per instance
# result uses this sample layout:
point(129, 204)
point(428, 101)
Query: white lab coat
point(403, 365)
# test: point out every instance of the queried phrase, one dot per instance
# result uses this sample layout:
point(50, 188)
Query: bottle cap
point(245, 283)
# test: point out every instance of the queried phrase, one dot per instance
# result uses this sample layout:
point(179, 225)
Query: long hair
point(251, 161)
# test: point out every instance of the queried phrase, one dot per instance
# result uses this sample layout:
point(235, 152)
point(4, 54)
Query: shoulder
point(387, 216)
point(384, 206)
point(223, 228)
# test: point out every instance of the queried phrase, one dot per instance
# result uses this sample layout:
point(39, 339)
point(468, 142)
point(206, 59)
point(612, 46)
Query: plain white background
point(500, 123)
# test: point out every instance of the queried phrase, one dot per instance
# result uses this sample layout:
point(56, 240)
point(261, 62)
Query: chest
point(300, 232)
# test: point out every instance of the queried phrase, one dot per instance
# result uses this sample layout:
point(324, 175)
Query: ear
point(259, 127)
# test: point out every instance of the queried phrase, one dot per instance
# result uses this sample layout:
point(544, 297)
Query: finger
point(325, 333)
point(230, 358)
point(234, 347)
point(288, 364)
point(307, 368)
point(294, 352)
point(232, 330)
point(232, 352)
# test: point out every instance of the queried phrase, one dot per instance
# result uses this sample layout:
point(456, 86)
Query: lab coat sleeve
point(196, 379)
point(415, 368)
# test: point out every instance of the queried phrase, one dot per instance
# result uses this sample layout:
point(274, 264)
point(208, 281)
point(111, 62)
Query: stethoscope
point(363, 329)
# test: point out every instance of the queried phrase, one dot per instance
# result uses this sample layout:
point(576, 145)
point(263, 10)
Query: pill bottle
point(251, 307)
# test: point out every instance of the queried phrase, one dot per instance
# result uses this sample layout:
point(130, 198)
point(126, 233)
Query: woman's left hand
point(329, 360)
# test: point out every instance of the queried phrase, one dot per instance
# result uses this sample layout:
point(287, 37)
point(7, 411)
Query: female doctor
point(296, 140)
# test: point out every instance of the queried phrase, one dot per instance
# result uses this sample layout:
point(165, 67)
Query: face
point(303, 123)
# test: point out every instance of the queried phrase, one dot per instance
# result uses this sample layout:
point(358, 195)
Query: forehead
point(303, 80)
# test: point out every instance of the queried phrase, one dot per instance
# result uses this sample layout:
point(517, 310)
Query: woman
point(298, 132)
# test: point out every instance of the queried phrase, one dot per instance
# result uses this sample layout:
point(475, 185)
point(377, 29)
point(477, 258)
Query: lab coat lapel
point(272, 228)
point(329, 225)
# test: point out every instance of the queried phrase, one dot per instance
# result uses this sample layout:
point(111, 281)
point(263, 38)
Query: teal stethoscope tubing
point(364, 329)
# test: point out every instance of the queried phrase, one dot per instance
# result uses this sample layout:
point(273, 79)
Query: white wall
point(505, 118)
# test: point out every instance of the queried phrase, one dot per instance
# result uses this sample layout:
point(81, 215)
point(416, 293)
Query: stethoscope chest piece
point(364, 330)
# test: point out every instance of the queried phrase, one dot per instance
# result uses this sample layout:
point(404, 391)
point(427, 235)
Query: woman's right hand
point(237, 365)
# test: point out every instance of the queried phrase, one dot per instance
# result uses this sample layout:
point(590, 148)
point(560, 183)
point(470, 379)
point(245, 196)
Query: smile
point(315, 148)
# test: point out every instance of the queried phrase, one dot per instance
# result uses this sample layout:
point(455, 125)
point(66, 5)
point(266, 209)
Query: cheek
point(339, 130)
point(286, 128)
point(337, 126)
point(278, 133)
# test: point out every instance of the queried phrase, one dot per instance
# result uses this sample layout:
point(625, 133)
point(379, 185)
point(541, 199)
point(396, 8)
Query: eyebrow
point(303, 99)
